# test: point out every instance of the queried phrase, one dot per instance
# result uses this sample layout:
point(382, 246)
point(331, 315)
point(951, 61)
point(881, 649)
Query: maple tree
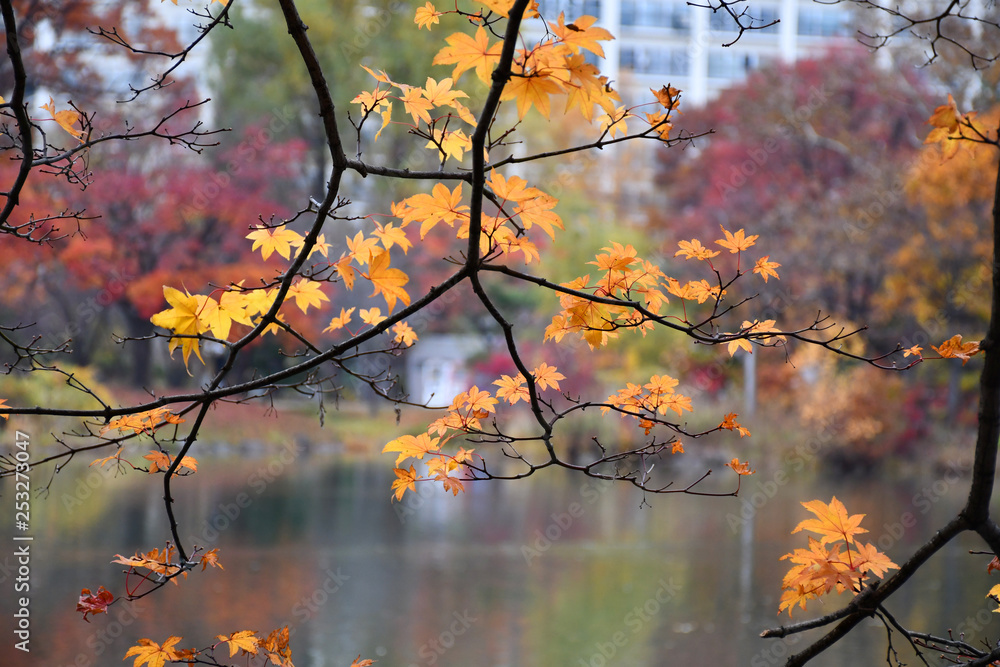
point(495, 225)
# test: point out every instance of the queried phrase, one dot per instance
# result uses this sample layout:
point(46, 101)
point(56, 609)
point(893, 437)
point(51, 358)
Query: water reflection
point(555, 570)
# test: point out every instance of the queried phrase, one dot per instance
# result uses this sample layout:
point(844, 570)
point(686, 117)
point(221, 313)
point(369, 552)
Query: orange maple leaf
point(211, 558)
point(954, 348)
point(740, 468)
point(3, 405)
point(275, 647)
point(766, 268)
point(161, 461)
point(734, 243)
point(66, 118)
point(512, 389)
point(547, 376)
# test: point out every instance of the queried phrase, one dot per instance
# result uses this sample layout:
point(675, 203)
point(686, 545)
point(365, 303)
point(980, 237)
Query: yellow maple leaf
point(405, 480)
point(425, 17)
point(412, 446)
point(244, 640)
point(150, 653)
point(274, 239)
point(766, 268)
point(832, 521)
point(467, 52)
point(181, 319)
point(580, 34)
point(442, 205)
point(531, 90)
point(693, 249)
point(404, 334)
point(340, 321)
point(371, 316)
point(915, 351)
point(613, 122)
point(387, 281)
point(307, 293)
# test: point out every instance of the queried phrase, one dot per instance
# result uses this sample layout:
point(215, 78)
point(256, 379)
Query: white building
point(668, 41)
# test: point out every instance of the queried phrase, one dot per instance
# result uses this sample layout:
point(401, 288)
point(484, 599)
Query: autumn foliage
point(329, 297)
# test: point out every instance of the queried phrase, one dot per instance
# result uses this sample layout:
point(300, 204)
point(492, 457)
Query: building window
point(656, 14)
point(731, 64)
point(651, 60)
point(820, 23)
point(573, 9)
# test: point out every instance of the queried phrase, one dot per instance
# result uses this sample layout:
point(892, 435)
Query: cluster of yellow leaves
point(954, 348)
point(143, 422)
point(628, 277)
point(514, 389)
point(644, 402)
point(158, 461)
point(3, 405)
point(836, 561)
point(520, 208)
point(274, 648)
point(463, 416)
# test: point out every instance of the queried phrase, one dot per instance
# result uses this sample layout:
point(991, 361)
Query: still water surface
point(556, 570)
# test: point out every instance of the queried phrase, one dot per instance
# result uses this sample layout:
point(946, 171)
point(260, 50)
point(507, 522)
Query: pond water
point(558, 569)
